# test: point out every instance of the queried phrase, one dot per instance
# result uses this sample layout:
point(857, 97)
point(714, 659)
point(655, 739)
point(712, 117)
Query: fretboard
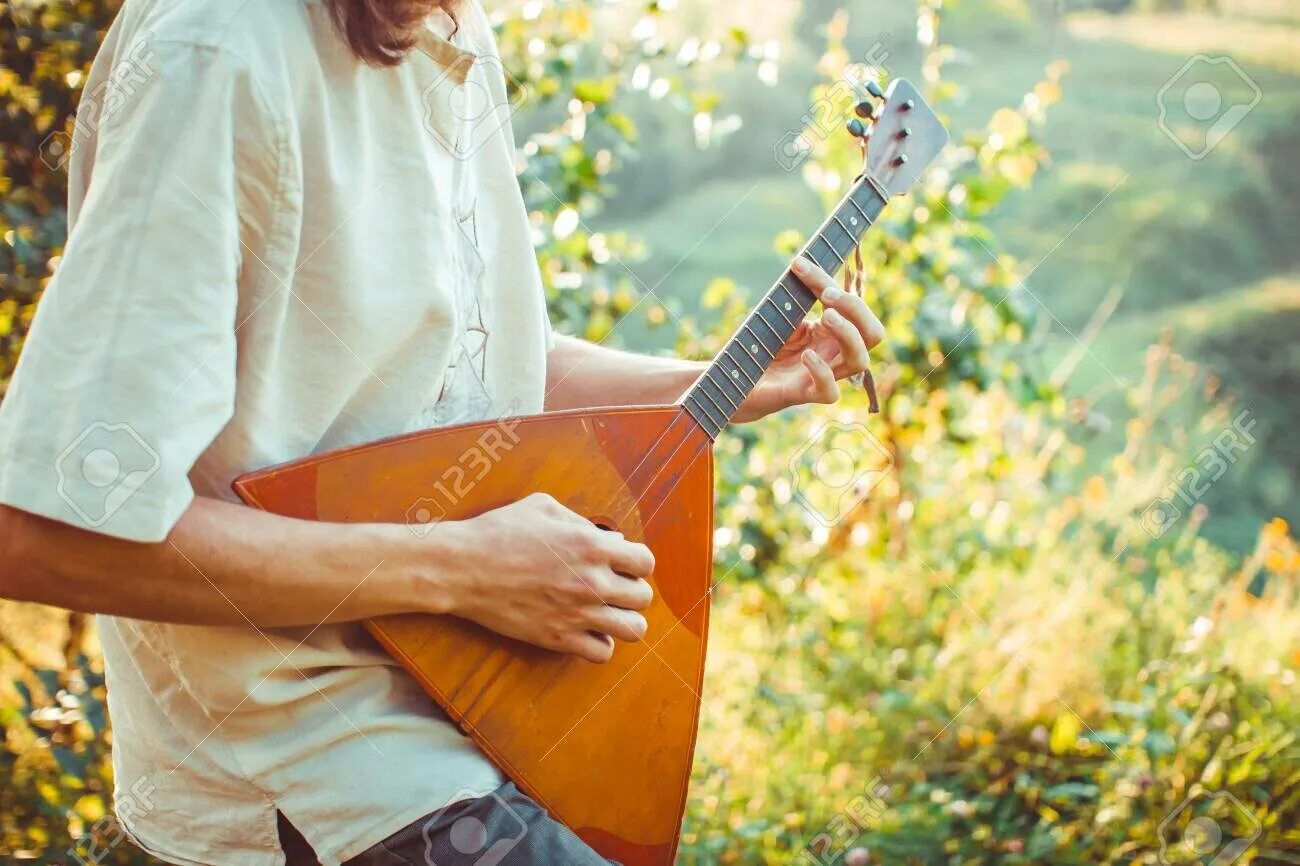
point(718, 393)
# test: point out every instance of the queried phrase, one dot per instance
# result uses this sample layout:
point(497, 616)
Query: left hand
point(819, 352)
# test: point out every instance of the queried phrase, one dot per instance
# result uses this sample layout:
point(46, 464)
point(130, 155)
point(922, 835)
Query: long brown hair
point(380, 32)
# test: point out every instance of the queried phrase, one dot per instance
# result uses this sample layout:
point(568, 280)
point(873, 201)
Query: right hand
point(536, 571)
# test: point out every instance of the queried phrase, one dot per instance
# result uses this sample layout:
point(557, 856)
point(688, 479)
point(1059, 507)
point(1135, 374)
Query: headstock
point(901, 134)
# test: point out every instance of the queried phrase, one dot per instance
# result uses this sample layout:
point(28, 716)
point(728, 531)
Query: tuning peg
point(874, 89)
point(857, 128)
point(864, 109)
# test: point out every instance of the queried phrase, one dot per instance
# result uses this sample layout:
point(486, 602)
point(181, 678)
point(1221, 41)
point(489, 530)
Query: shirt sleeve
point(128, 371)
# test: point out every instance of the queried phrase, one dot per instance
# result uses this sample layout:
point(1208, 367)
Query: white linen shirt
point(274, 250)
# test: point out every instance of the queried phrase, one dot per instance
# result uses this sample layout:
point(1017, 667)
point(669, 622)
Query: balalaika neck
point(718, 393)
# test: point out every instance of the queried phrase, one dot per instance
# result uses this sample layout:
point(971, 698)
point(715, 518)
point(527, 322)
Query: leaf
point(718, 292)
point(1074, 791)
point(1159, 743)
point(1009, 124)
point(1125, 708)
point(597, 92)
point(1065, 733)
point(623, 125)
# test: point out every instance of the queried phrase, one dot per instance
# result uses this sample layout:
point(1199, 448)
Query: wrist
point(673, 380)
point(430, 566)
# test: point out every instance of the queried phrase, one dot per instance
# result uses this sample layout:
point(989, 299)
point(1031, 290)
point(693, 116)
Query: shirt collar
point(456, 61)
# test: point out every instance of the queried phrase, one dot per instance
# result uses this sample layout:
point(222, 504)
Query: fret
point(705, 393)
point(741, 391)
point(703, 410)
point(753, 347)
point(849, 239)
point(737, 369)
point(722, 392)
point(772, 339)
point(867, 193)
point(733, 373)
point(788, 293)
point(859, 209)
point(723, 414)
point(705, 420)
point(745, 354)
point(793, 323)
point(800, 295)
point(748, 353)
point(854, 230)
point(758, 313)
point(839, 262)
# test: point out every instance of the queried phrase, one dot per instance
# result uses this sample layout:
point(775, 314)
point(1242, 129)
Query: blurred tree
point(45, 51)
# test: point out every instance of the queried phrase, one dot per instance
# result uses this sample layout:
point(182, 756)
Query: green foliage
point(1029, 679)
point(56, 803)
point(45, 50)
point(986, 659)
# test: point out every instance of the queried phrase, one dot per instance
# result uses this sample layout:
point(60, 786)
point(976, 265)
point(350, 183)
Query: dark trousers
point(505, 828)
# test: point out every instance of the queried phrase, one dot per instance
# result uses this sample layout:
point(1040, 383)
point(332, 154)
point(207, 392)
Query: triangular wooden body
point(606, 749)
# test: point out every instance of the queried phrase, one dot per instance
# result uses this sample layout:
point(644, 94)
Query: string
point(855, 283)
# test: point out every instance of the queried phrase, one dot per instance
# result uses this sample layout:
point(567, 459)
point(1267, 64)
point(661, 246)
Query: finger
point(630, 593)
point(852, 345)
point(848, 304)
point(811, 275)
point(629, 557)
point(856, 311)
point(624, 625)
point(824, 387)
point(594, 647)
point(568, 515)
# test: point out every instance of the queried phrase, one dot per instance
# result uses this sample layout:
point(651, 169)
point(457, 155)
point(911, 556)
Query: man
point(291, 232)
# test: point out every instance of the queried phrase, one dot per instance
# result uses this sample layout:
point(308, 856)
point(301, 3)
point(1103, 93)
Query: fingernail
point(832, 293)
point(800, 265)
point(833, 315)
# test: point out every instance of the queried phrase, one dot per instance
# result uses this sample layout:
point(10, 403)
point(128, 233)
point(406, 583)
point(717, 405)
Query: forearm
point(225, 564)
point(580, 374)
